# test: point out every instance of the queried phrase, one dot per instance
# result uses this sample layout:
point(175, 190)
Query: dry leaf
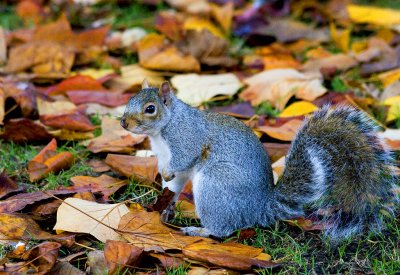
point(279, 85)
point(156, 53)
point(65, 268)
point(120, 256)
point(141, 168)
point(111, 99)
point(104, 184)
point(48, 161)
point(389, 77)
point(42, 257)
point(98, 220)
point(195, 89)
point(373, 15)
point(336, 61)
point(133, 75)
point(114, 138)
point(341, 38)
point(199, 24)
point(298, 109)
point(223, 15)
point(8, 186)
point(285, 132)
point(22, 227)
point(75, 83)
point(394, 109)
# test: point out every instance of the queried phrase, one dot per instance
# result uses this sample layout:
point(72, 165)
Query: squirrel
point(337, 167)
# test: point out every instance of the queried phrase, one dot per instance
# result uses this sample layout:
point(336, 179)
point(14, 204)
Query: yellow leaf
point(359, 46)
point(394, 109)
point(298, 109)
point(96, 74)
point(373, 15)
point(385, 34)
point(198, 24)
point(223, 15)
point(341, 38)
point(389, 77)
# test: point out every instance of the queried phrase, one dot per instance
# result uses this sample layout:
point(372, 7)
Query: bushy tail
point(339, 167)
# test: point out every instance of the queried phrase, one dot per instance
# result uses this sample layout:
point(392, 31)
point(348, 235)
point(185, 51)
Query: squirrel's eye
point(150, 109)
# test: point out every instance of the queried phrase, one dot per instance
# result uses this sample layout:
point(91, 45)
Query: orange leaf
point(71, 121)
point(285, 132)
point(144, 168)
point(111, 99)
point(121, 255)
point(155, 53)
point(78, 82)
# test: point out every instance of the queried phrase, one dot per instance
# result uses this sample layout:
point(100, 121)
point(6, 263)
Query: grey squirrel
point(336, 166)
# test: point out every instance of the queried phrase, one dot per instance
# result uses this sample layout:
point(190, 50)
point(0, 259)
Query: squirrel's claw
point(167, 176)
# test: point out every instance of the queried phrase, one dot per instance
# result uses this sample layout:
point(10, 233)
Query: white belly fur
point(160, 148)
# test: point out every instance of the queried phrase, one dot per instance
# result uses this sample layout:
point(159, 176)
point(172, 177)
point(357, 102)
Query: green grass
point(14, 159)
point(9, 20)
point(391, 4)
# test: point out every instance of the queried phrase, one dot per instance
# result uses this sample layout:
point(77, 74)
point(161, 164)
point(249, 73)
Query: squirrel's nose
point(123, 122)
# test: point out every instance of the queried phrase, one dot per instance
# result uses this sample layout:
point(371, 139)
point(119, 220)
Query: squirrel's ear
point(145, 84)
point(165, 93)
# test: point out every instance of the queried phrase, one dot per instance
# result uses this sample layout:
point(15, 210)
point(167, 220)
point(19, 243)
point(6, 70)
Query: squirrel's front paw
point(196, 231)
point(167, 175)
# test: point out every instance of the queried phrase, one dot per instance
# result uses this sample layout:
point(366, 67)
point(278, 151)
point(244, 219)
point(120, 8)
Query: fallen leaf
point(46, 208)
point(276, 150)
point(98, 166)
point(111, 99)
point(285, 132)
point(65, 268)
point(114, 138)
point(336, 61)
point(24, 130)
point(392, 138)
point(142, 168)
point(22, 227)
point(55, 107)
point(223, 15)
point(199, 24)
point(75, 83)
point(144, 229)
point(229, 255)
point(104, 184)
point(341, 38)
point(194, 89)
point(23, 98)
point(21, 201)
point(170, 24)
point(390, 91)
point(207, 48)
point(120, 256)
point(191, 6)
point(298, 109)
point(133, 75)
point(156, 53)
point(389, 77)
point(279, 85)
point(278, 167)
point(75, 121)
point(48, 161)
point(373, 15)
point(43, 58)
point(8, 186)
point(3, 47)
point(306, 224)
point(240, 110)
point(170, 261)
point(96, 262)
point(98, 220)
point(43, 257)
point(65, 134)
point(163, 201)
point(394, 108)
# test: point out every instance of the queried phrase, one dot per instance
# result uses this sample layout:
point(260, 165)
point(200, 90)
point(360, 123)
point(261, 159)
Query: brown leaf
point(144, 229)
point(24, 130)
point(207, 48)
point(8, 186)
point(170, 261)
point(98, 166)
point(72, 121)
point(65, 268)
point(306, 224)
point(75, 83)
point(285, 132)
point(156, 53)
point(48, 161)
point(143, 168)
point(111, 99)
point(20, 201)
point(22, 227)
point(230, 255)
point(163, 201)
point(96, 262)
point(104, 184)
point(121, 255)
point(42, 58)
point(170, 24)
point(338, 61)
point(276, 150)
point(114, 138)
point(24, 98)
point(43, 256)
point(46, 209)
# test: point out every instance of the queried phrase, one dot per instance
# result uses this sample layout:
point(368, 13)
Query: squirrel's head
point(148, 111)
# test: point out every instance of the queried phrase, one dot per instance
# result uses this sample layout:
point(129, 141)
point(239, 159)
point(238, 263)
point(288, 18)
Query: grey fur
point(232, 176)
